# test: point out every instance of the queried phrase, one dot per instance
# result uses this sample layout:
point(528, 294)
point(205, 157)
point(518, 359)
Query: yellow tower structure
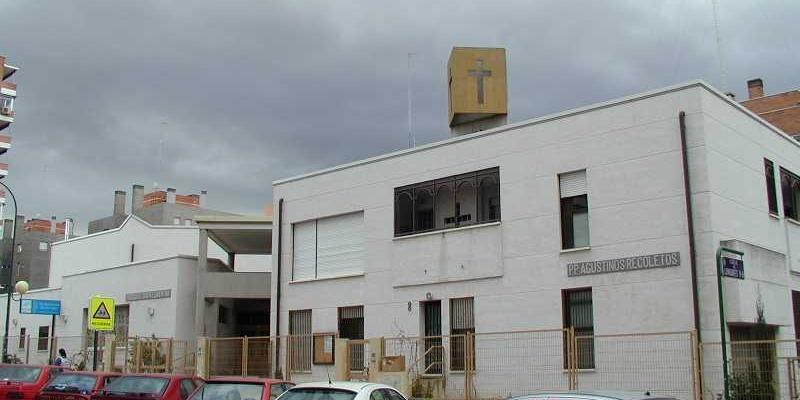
point(478, 92)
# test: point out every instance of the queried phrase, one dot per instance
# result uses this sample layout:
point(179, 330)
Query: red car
point(238, 388)
point(23, 382)
point(150, 387)
point(75, 385)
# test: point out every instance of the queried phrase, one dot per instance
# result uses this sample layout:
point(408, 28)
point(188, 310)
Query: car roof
point(167, 376)
point(341, 385)
point(598, 395)
point(249, 379)
point(92, 373)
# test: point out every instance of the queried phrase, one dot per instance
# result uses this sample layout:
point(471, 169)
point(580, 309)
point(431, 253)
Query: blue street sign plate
point(733, 266)
point(36, 306)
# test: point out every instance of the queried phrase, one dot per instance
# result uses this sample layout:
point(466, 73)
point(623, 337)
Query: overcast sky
point(240, 93)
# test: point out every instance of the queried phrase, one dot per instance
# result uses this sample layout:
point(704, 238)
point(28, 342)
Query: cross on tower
point(479, 73)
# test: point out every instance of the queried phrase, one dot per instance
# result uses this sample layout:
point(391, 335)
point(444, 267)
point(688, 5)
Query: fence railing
point(484, 365)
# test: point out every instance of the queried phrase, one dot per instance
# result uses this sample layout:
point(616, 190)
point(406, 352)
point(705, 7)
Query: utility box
point(477, 89)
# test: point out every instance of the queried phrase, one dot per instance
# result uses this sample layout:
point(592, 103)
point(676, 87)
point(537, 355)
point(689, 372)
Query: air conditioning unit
point(5, 110)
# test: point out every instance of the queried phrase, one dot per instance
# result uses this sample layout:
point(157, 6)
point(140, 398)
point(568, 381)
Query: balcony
point(5, 143)
point(6, 110)
point(8, 70)
point(8, 88)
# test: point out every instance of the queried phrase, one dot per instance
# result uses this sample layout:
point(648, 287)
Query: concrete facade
point(516, 270)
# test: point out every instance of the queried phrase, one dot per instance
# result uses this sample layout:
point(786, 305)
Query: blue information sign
point(36, 306)
point(733, 266)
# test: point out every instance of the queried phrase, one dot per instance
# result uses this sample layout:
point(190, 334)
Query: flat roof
point(544, 119)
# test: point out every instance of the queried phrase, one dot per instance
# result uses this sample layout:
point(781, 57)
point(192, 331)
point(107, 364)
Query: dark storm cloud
point(228, 96)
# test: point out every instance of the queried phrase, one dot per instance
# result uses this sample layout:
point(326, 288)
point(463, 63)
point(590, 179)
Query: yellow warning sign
point(101, 313)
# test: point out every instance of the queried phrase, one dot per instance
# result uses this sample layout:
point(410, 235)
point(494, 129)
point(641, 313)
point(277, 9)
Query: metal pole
point(722, 322)
point(94, 353)
point(10, 282)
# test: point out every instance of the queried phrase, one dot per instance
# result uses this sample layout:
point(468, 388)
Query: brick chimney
point(137, 198)
point(171, 195)
point(119, 202)
point(755, 88)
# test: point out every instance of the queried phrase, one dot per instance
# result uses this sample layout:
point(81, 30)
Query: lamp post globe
point(22, 287)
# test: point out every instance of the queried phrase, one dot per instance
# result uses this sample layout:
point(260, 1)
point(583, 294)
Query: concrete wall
point(113, 248)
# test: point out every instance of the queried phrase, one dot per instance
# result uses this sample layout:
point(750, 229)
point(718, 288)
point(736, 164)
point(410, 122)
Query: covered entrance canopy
point(235, 234)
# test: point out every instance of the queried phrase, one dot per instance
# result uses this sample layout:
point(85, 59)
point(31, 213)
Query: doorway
point(432, 331)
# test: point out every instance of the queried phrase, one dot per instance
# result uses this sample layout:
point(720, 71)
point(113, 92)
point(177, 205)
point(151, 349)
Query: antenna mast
point(412, 141)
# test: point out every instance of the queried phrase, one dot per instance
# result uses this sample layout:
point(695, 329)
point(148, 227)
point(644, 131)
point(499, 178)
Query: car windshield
point(137, 384)
point(19, 373)
point(318, 394)
point(229, 391)
point(72, 383)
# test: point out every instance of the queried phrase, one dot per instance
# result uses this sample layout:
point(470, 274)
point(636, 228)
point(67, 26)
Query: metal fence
point(128, 355)
point(240, 356)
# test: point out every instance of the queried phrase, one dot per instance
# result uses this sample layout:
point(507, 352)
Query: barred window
point(578, 315)
point(458, 200)
point(772, 195)
point(462, 323)
point(300, 340)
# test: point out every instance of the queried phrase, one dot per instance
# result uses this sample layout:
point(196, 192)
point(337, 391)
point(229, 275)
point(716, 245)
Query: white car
point(592, 396)
point(342, 391)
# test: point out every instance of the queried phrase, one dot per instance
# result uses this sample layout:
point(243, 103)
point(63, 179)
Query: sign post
point(101, 318)
point(729, 263)
point(43, 307)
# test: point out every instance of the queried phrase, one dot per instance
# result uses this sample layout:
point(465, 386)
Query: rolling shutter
point(304, 250)
point(340, 245)
point(572, 184)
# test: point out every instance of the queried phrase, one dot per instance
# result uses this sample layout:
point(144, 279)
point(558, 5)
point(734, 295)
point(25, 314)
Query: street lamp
point(9, 286)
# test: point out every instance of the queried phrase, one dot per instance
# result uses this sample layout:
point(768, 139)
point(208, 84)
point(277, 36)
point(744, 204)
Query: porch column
point(200, 277)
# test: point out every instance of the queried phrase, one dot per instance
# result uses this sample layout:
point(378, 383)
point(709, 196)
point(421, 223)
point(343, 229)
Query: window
point(222, 318)
point(22, 333)
point(459, 200)
point(578, 315)
point(6, 105)
point(328, 247)
point(351, 326)
point(772, 194)
point(462, 324)
point(790, 191)
point(44, 338)
point(300, 340)
point(176, 221)
point(574, 210)
point(187, 387)
point(187, 222)
point(42, 246)
point(121, 318)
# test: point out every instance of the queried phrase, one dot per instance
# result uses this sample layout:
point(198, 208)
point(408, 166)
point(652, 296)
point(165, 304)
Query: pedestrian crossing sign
point(101, 313)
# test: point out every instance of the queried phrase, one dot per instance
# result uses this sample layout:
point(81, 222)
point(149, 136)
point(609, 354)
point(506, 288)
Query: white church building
point(605, 219)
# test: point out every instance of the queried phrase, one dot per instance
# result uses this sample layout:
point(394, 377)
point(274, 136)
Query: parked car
point(75, 385)
point(23, 382)
point(600, 395)
point(150, 387)
point(238, 388)
point(342, 391)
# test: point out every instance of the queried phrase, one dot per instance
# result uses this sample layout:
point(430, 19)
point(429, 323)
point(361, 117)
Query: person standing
point(62, 360)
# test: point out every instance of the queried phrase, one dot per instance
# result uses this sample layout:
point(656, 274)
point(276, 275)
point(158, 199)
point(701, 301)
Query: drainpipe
point(687, 191)
point(278, 289)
